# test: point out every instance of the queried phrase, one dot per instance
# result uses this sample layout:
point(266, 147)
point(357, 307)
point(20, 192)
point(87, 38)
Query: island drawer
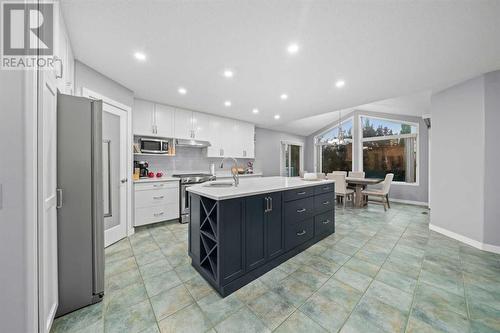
point(324, 202)
point(299, 210)
point(323, 188)
point(299, 193)
point(324, 223)
point(298, 232)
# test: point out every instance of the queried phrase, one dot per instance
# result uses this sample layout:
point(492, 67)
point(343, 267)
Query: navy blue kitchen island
point(238, 234)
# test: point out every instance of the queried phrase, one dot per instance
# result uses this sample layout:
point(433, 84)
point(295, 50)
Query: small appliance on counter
point(143, 168)
point(249, 168)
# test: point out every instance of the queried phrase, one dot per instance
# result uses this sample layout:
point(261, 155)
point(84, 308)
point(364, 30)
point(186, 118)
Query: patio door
point(292, 155)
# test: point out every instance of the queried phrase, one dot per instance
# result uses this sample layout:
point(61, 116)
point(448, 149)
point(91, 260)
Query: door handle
point(124, 180)
point(303, 232)
point(326, 221)
point(59, 198)
point(301, 210)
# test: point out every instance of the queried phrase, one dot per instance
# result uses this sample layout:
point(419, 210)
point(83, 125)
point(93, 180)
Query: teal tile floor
point(380, 272)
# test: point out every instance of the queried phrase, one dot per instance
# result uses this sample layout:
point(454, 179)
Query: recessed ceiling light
point(140, 56)
point(182, 91)
point(255, 111)
point(284, 96)
point(293, 48)
point(276, 116)
point(227, 103)
point(340, 83)
point(228, 73)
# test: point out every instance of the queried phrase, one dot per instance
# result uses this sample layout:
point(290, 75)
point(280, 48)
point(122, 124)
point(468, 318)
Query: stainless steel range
point(186, 181)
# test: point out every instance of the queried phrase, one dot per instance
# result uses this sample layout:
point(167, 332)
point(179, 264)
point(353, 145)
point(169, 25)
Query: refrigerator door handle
point(59, 198)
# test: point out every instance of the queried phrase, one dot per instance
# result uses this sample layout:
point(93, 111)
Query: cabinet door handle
point(266, 209)
point(59, 198)
point(303, 232)
point(301, 193)
point(158, 185)
point(301, 210)
point(326, 202)
point(326, 221)
point(158, 214)
point(158, 197)
point(270, 204)
point(60, 75)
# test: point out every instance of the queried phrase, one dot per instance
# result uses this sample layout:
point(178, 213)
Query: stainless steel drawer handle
point(326, 221)
point(158, 214)
point(303, 232)
point(158, 198)
point(301, 193)
point(158, 185)
point(326, 202)
point(301, 210)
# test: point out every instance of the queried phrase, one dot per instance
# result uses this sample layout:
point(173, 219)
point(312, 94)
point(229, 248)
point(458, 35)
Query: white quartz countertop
point(230, 175)
point(162, 179)
point(253, 186)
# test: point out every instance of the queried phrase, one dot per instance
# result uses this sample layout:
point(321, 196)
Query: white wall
point(492, 159)
point(14, 311)
point(457, 163)
point(87, 77)
point(268, 147)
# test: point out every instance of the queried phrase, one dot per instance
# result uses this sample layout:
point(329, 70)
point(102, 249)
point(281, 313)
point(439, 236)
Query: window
point(330, 155)
point(389, 147)
point(291, 159)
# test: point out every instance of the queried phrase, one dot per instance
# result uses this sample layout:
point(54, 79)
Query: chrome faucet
point(234, 170)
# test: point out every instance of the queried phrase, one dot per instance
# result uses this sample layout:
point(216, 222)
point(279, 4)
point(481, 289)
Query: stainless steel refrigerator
point(80, 225)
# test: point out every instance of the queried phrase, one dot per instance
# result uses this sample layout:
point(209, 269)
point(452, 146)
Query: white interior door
point(47, 214)
point(114, 136)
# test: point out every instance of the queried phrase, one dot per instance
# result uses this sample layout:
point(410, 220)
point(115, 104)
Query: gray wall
point(416, 193)
point(268, 147)
point(13, 237)
point(457, 163)
point(87, 77)
point(492, 159)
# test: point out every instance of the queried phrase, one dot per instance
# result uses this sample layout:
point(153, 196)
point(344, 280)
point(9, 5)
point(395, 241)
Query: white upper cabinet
point(183, 124)
point(201, 125)
point(164, 120)
point(143, 118)
point(227, 137)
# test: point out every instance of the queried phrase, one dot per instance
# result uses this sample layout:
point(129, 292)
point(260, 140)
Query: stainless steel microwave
point(153, 146)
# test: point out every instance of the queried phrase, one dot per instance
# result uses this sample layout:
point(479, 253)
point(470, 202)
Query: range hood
point(192, 143)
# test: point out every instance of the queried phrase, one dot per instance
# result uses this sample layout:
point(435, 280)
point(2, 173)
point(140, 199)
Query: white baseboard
point(409, 202)
point(469, 241)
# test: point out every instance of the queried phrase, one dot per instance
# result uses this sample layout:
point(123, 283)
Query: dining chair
point(341, 189)
point(333, 173)
point(356, 174)
point(382, 193)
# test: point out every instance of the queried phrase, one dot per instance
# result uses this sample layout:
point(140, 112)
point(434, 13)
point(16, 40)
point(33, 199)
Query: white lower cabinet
point(156, 202)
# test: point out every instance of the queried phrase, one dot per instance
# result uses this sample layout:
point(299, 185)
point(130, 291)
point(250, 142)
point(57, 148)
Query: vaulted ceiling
point(381, 49)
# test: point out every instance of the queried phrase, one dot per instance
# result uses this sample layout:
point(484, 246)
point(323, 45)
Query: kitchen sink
point(219, 184)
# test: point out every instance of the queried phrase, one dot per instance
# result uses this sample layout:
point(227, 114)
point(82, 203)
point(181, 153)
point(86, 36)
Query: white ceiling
point(380, 48)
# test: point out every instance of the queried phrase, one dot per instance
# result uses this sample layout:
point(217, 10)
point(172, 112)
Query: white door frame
point(294, 143)
point(94, 95)
point(117, 232)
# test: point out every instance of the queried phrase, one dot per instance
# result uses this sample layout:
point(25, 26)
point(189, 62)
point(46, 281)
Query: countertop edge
point(257, 192)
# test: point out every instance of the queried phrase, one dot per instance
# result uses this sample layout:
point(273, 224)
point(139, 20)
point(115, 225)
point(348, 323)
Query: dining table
point(359, 184)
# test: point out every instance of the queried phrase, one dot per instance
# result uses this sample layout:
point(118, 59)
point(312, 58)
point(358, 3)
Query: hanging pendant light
point(341, 136)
